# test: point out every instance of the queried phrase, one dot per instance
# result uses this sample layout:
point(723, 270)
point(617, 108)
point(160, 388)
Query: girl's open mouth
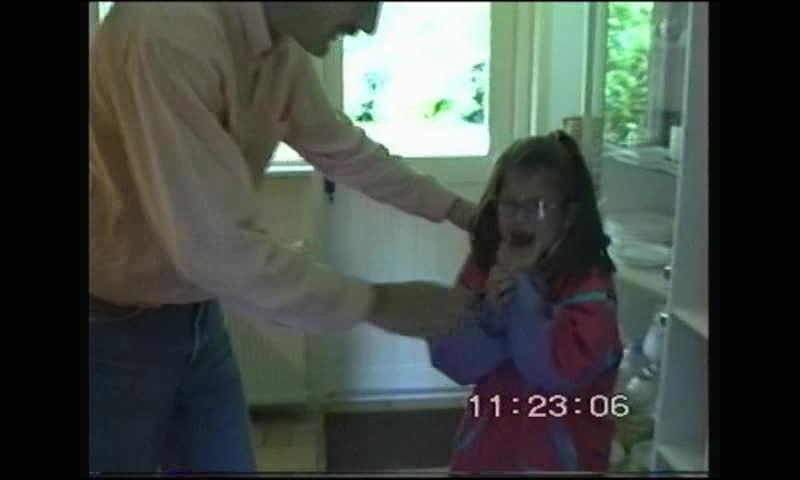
point(521, 239)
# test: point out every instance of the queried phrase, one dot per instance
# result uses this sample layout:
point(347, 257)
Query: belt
point(100, 306)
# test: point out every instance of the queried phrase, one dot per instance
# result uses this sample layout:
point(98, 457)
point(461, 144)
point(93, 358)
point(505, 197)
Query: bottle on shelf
point(642, 390)
point(633, 360)
point(653, 344)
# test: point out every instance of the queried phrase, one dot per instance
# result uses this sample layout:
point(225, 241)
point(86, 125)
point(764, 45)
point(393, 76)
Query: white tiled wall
point(379, 243)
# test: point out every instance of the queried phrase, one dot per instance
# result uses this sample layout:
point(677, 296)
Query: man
point(187, 103)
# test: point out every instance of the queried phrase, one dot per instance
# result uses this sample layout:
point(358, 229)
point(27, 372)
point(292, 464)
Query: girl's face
point(530, 209)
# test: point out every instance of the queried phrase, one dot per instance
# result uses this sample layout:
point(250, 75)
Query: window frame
point(593, 96)
point(510, 69)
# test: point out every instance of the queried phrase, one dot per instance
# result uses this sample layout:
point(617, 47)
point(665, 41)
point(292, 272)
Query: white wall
point(379, 243)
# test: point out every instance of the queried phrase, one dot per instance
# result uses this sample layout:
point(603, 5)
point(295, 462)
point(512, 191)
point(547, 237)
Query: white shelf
point(681, 459)
point(651, 158)
point(650, 279)
point(288, 169)
point(695, 318)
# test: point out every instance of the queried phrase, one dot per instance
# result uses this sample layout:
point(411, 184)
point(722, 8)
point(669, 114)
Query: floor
point(358, 442)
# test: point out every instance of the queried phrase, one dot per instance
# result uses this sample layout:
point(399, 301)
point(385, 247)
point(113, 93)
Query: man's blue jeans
point(165, 393)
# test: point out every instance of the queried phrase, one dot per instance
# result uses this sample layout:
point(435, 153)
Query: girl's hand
point(498, 284)
point(519, 259)
point(510, 260)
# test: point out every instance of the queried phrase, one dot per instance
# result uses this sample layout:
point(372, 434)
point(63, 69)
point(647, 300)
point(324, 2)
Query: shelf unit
point(647, 179)
point(682, 411)
point(696, 319)
point(677, 459)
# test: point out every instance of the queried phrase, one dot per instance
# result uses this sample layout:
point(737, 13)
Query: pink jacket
point(544, 369)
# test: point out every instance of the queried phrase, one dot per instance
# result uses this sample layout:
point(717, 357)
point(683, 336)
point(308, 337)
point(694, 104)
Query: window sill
point(448, 170)
point(289, 170)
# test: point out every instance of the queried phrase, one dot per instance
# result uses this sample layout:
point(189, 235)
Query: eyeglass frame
point(543, 209)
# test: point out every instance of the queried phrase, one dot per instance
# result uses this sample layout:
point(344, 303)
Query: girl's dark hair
point(585, 245)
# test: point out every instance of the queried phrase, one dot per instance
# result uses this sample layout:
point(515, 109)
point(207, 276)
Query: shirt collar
point(256, 29)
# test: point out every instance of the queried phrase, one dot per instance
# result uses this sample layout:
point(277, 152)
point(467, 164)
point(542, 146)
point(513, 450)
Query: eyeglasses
point(533, 212)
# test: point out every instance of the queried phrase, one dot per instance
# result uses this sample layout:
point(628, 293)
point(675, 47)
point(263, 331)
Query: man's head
point(314, 25)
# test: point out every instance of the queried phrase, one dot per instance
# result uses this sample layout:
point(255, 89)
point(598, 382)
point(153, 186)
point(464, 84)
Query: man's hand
point(463, 214)
point(418, 309)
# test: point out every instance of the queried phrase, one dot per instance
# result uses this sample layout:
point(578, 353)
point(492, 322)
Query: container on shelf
point(633, 360)
point(642, 390)
point(653, 344)
point(675, 143)
point(634, 428)
point(639, 457)
point(617, 456)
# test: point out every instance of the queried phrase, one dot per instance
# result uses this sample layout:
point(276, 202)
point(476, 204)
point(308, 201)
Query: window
point(420, 84)
point(103, 9)
point(646, 44)
point(626, 70)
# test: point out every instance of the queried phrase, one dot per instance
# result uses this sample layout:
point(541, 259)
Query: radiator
point(273, 359)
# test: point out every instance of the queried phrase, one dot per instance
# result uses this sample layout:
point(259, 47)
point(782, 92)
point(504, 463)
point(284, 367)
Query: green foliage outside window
point(626, 96)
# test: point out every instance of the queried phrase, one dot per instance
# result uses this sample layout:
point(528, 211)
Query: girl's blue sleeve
point(524, 331)
point(584, 350)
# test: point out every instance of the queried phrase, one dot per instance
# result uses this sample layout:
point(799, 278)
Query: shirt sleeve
point(198, 194)
point(327, 139)
point(561, 348)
